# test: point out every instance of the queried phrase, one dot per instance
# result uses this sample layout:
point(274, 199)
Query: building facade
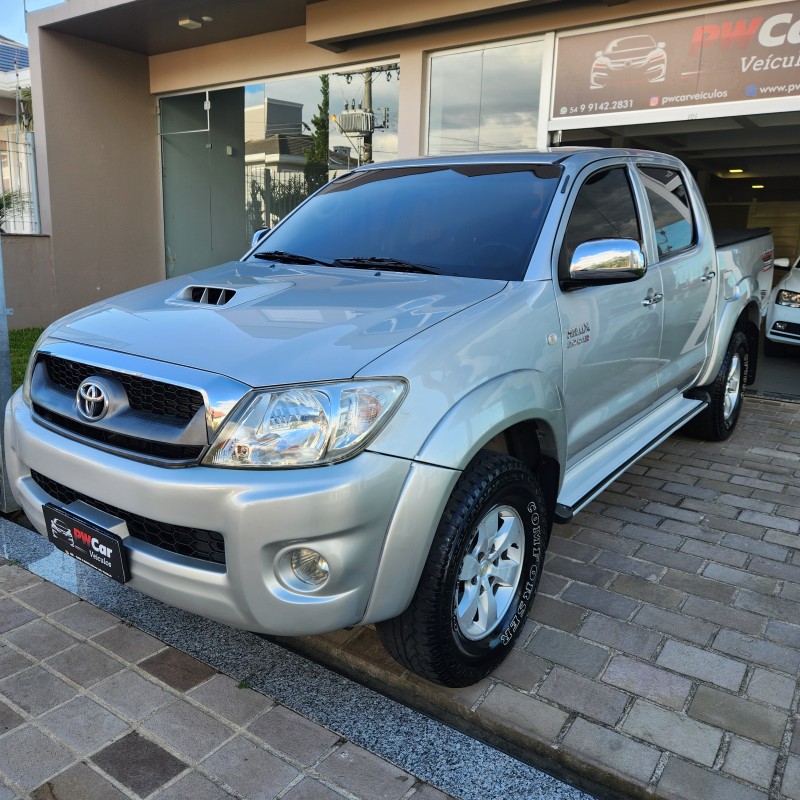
point(150, 115)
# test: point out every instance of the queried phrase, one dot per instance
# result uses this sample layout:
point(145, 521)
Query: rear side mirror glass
point(607, 261)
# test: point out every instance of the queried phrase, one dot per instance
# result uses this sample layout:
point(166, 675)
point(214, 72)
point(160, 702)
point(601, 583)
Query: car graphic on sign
point(629, 59)
point(60, 530)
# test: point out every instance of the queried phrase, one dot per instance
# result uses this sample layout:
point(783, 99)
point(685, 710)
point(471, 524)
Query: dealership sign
point(736, 55)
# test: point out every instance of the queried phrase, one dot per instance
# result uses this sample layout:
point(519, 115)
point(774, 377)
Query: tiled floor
point(92, 708)
point(95, 708)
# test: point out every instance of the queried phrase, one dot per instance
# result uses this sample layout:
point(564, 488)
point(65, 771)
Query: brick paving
point(662, 653)
point(92, 708)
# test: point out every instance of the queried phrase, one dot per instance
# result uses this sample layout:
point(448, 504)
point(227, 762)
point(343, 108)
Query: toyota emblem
point(92, 400)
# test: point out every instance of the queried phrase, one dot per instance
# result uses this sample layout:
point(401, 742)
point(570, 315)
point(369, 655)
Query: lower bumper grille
point(789, 329)
point(191, 542)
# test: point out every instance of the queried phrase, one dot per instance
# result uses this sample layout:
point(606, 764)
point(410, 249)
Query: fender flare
point(491, 408)
point(480, 415)
point(729, 320)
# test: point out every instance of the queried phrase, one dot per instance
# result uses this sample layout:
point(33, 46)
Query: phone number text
point(593, 108)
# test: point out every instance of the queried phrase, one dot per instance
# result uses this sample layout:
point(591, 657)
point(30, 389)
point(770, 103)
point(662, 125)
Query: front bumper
point(343, 511)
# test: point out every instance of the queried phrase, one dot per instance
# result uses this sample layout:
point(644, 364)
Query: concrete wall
point(99, 167)
point(29, 280)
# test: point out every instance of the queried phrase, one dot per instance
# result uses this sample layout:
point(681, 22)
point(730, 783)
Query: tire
point(469, 608)
point(717, 421)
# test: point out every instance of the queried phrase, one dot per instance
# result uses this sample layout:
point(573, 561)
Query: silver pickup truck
point(375, 416)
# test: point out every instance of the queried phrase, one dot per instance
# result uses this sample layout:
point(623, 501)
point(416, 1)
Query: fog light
point(781, 326)
point(309, 566)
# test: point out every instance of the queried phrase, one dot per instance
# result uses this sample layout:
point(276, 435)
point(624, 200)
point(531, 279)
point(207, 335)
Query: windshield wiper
point(282, 257)
point(387, 263)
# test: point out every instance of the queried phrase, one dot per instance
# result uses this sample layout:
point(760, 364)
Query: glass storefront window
point(301, 132)
point(239, 159)
point(485, 99)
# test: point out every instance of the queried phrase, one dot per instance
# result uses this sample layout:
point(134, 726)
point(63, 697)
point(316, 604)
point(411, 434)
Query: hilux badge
point(92, 400)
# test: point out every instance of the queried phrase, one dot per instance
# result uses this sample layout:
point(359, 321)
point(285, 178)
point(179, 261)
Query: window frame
point(562, 266)
point(547, 41)
point(657, 254)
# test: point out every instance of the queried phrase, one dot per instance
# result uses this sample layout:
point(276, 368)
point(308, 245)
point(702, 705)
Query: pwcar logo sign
point(89, 542)
point(739, 55)
point(774, 31)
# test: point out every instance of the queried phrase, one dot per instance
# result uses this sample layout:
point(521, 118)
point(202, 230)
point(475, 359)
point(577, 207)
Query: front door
point(610, 335)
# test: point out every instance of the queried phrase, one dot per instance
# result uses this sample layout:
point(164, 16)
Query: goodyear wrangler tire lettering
point(480, 579)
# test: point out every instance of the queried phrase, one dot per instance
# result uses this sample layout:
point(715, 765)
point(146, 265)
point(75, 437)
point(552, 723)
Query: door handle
point(652, 298)
point(708, 276)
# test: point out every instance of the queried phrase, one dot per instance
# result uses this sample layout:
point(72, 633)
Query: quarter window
point(669, 205)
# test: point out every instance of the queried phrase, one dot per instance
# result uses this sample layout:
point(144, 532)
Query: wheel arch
point(513, 410)
point(498, 416)
point(734, 317)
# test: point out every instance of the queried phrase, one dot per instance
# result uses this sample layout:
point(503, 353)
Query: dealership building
point(168, 130)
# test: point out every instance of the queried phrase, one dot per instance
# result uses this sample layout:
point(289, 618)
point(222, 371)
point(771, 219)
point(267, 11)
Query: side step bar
point(625, 451)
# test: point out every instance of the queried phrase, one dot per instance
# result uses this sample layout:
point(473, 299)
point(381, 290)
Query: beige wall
point(29, 280)
point(98, 152)
point(290, 52)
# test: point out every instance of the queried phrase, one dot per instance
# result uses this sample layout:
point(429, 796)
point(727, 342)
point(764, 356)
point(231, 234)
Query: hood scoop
point(227, 297)
point(207, 295)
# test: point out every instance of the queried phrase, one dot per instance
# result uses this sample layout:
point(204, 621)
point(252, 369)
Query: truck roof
point(550, 155)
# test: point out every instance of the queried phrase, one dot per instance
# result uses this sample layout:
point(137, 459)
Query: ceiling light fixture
point(735, 171)
point(757, 186)
point(207, 19)
point(190, 24)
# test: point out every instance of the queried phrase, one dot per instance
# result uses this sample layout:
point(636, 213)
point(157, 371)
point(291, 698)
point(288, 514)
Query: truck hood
point(276, 324)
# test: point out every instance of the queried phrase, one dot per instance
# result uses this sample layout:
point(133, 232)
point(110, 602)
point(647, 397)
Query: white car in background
point(783, 313)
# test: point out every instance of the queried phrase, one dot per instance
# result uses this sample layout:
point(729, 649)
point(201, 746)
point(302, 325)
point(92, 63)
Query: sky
point(12, 17)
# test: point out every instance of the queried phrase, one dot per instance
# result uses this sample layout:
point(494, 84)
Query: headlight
point(305, 425)
point(787, 298)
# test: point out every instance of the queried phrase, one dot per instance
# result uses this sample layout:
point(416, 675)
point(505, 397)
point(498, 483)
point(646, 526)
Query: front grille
point(144, 394)
point(192, 542)
point(133, 444)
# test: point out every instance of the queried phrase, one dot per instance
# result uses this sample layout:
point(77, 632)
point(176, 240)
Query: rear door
point(688, 272)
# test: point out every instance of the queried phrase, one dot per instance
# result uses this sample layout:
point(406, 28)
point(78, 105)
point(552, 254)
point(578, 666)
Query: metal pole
point(368, 109)
point(7, 502)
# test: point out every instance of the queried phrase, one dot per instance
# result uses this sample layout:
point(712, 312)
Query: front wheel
point(480, 578)
point(717, 421)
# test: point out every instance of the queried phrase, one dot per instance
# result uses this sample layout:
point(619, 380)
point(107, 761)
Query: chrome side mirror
point(607, 261)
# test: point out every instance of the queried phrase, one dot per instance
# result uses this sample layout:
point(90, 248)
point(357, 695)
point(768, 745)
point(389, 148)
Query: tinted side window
point(669, 205)
point(604, 209)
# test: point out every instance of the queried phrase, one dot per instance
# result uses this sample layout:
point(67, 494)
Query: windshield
point(478, 221)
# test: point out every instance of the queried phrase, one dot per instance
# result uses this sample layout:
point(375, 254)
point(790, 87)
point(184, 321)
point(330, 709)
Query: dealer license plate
point(85, 541)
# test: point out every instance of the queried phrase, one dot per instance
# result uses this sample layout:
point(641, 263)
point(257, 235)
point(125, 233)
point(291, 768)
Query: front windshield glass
point(477, 221)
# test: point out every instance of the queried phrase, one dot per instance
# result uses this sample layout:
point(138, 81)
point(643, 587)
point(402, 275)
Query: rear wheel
point(717, 421)
point(480, 578)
